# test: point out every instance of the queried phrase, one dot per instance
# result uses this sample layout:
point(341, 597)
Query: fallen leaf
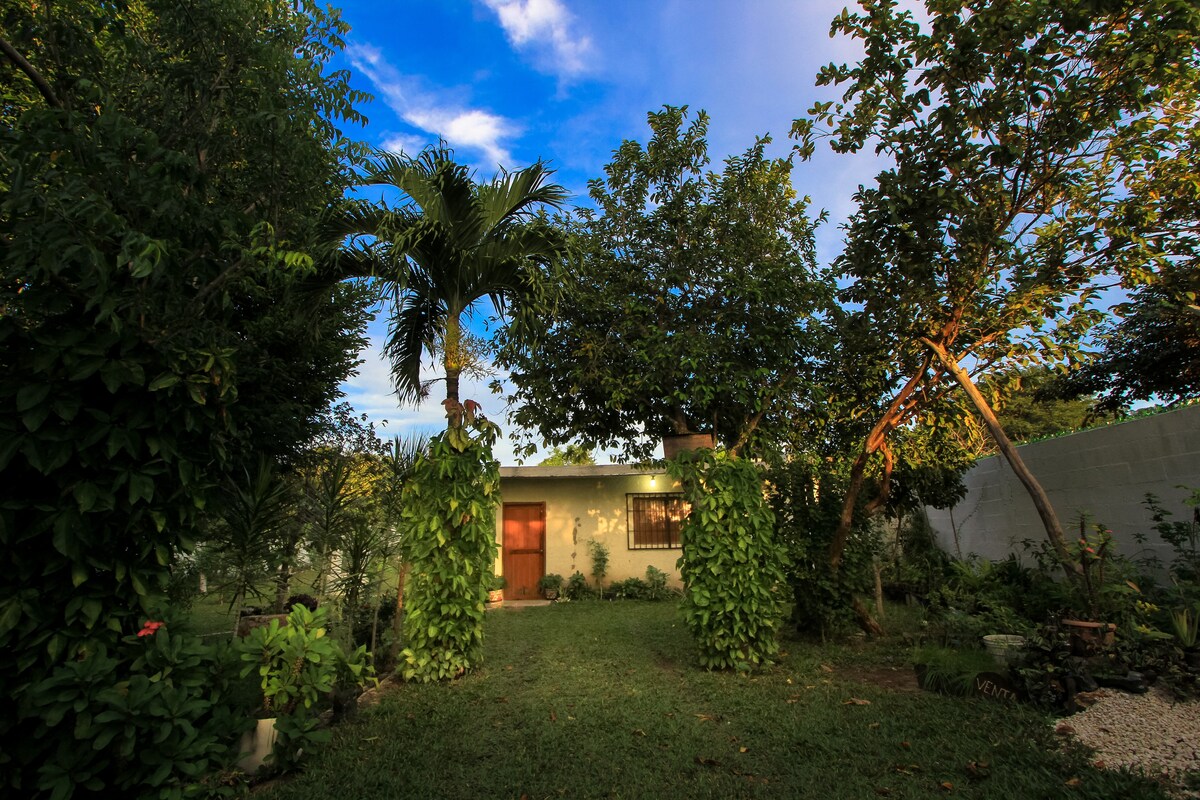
point(743, 749)
point(977, 769)
point(946, 786)
point(707, 762)
point(553, 716)
point(1073, 782)
point(638, 732)
point(855, 701)
point(1099, 764)
point(705, 717)
point(1064, 729)
point(906, 745)
point(789, 681)
point(873, 725)
point(826, 668)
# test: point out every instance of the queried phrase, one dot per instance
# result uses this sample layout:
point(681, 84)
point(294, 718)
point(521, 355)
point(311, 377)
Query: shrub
point(629, 589)
point(578, 589)
point(149, 717)
point(732, 566)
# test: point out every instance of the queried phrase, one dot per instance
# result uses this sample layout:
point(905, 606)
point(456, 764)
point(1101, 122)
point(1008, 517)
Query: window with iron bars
point(654, 520)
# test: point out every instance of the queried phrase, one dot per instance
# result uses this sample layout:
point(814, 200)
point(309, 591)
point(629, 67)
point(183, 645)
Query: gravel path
point(1150, 731)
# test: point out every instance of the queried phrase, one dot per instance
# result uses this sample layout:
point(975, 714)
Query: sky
point(509, 82)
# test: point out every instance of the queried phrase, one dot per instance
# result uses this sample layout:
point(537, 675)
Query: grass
point(601, 700)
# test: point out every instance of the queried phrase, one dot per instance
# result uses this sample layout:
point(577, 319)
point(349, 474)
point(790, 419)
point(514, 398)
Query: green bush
point(152, 716)
point(806, 513)
point(732, 566)
point(450, 519)
point(578, 588)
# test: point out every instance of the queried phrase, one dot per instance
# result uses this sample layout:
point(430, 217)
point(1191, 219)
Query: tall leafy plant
point(449, 517)
point(164, 313)
point(732, 565)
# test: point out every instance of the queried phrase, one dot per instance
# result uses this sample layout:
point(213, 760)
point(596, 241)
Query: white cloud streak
point(470, 128)
point(545, 27)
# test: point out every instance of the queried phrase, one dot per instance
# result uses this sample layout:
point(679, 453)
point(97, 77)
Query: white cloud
point(470, 128)
point(544, 25)
point(409, 144)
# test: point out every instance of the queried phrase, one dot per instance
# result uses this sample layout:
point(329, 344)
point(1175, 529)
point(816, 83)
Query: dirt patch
point(896, 679)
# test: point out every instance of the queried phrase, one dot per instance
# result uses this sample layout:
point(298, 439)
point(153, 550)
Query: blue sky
point(507, 82)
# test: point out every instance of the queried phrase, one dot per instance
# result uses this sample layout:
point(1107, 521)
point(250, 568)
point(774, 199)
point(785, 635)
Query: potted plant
point(496, 590)
point(298, 665)
point(1091, 594)
point(550, 585)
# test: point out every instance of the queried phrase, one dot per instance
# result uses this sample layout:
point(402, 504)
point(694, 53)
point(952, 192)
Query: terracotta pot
point(682, 443)
point(496, 597)
point(1089, 638)
point(257, 744)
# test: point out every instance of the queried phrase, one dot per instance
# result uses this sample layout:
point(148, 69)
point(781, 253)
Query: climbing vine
point(732, 566)
point(450, 519)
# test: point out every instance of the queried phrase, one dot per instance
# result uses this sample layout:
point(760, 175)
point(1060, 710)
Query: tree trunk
point(452, 357)
point(1041, 502)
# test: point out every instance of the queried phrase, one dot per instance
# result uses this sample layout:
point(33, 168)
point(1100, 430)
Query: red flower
point(150, 627)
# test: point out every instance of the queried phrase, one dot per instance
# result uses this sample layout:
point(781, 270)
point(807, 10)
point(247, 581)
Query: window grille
point(654, 520)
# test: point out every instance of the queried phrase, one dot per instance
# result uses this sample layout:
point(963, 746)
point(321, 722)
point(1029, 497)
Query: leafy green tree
point(1017, 131)
point(165, 317)
point(462, 241)
point(571, 455)
point(1152, 352)
point(692, 303)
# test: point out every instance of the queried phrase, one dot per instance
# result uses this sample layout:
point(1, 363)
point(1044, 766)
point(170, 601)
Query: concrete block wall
point(1104, 472)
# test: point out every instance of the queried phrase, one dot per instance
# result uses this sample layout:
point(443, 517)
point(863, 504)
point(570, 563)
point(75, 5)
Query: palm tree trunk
point(453, 357)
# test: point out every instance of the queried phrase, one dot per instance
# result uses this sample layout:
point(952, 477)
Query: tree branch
point(41, 83)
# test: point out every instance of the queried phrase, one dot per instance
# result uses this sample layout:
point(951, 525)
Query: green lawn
point(602, 700)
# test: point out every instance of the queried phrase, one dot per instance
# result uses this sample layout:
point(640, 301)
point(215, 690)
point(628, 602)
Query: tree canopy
point(1018, 132)
point(460, 241)
point(691, 302)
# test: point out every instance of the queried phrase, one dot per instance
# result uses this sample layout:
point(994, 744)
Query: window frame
point(671, 527)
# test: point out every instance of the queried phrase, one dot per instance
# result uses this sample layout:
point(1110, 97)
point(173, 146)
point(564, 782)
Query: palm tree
point(462, 241)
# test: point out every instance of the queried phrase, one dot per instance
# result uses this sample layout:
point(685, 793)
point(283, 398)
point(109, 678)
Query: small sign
point(995, 686)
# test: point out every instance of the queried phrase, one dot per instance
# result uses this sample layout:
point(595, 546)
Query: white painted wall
point(1105, 472)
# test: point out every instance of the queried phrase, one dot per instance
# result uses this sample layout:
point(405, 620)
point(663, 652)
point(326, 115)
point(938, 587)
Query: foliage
point(691, 302)
point(244, 542)
point(1184, 538)
point(1020, 134)
point(1185, 624)
point(550, 582)
point(1027, 409)
point(165, 310)
point(569, 456)
point(578, 589)
point(598, 551)
point(732, 566)
point(951, 670)
point(806, 514)
point(653, 587)
point(148, 716)
point(450, 516)
point(461, 241)
point(297, 663)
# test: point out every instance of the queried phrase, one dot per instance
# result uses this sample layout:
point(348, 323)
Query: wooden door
point(524, 549)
